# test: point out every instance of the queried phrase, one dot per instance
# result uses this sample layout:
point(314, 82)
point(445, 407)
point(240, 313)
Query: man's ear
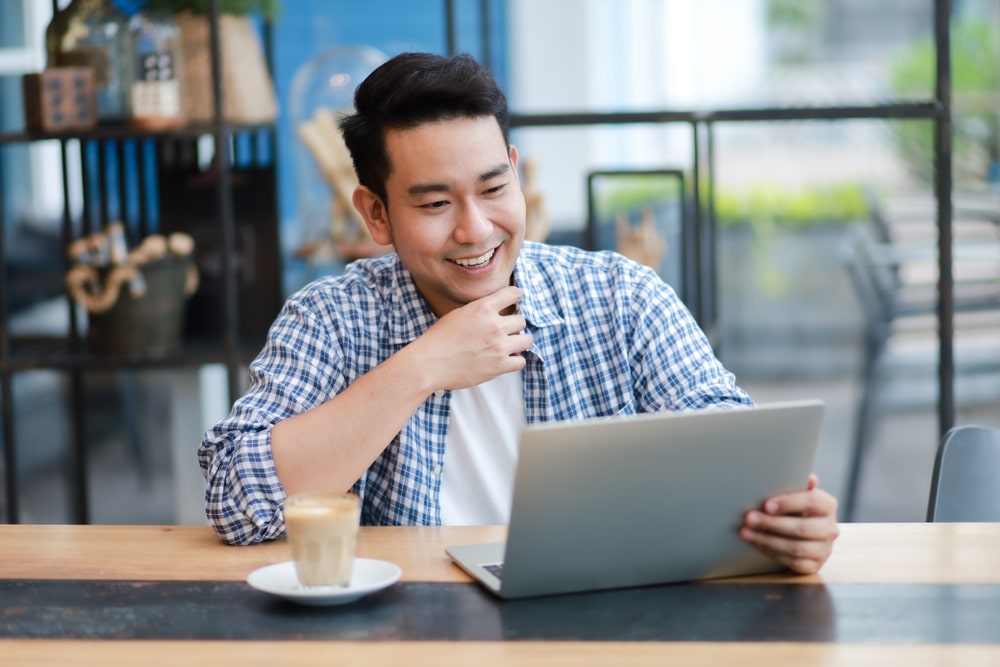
point(512, 152)
point(371, 208)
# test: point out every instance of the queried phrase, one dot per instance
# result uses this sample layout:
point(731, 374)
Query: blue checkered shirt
point(609, 338)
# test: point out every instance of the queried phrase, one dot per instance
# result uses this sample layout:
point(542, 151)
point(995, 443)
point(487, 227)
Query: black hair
point(409, 90)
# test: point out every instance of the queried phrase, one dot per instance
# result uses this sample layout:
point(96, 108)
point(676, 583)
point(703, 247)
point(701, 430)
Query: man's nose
point(472, 226)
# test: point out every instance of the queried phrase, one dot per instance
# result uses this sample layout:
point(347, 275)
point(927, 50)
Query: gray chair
point(965, 485)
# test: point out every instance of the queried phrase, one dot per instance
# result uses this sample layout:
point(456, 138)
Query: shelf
point(59, 353)
point(126, 132)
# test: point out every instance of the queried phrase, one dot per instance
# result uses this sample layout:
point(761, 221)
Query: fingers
point(512, 325)
point(517, 343)
point(795, 529)
point(801, 544)
point(476, 342)
point(502, 304)
point(810, 515)
point(800, 556)
point(502, 300)
point(812, 502)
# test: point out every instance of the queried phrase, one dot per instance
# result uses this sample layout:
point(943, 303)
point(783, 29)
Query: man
point(409, 377)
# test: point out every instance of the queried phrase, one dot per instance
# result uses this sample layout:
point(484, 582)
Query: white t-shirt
point(477, 481)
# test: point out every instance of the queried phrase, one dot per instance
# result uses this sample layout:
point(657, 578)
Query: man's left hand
point(796, 529)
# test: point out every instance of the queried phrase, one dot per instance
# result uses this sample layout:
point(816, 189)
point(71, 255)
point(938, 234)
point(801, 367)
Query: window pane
point(12, 24)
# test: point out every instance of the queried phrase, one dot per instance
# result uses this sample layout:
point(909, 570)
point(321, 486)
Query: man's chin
point(480, 292)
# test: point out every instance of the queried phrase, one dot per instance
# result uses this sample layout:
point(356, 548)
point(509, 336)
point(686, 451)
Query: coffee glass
point(323, 531)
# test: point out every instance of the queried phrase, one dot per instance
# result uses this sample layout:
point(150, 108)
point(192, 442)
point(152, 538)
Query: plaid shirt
point(609, 338)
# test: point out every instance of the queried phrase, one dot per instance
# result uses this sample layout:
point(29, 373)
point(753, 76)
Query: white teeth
point(476, 261)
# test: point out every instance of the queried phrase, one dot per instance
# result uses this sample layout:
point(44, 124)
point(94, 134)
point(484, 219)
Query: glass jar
point(155, 95)
point(321, 90)
point(93, 33)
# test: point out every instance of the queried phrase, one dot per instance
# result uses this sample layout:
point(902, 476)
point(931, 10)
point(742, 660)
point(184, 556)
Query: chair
point(965, 485)
point(892, 262)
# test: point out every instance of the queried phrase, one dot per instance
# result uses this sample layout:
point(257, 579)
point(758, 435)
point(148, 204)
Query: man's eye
point(495, 189)
point(435, 204)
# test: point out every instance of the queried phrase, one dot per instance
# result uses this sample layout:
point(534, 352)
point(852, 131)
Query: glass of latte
point(323, 532)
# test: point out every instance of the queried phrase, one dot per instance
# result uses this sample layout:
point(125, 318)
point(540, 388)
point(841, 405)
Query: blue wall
point(309, 27)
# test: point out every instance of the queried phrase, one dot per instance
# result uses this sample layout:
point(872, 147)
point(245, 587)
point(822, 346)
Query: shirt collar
point(538, 305)
point(409, 315)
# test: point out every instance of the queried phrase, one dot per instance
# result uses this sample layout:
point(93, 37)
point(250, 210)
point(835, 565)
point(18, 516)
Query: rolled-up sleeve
point(297, 370)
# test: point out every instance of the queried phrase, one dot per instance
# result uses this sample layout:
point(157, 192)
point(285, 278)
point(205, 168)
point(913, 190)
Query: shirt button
point(439, 393)
point(436, 470)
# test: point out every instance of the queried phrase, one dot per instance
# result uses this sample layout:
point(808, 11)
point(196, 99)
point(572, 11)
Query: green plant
point(794, 28)
point(770, 205)
point(760, 207)
point(795, 14)
point(632, 192)
point(268, 10)
point(975, 62)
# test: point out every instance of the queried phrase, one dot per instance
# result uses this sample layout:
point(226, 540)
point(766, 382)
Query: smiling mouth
point(477, 261)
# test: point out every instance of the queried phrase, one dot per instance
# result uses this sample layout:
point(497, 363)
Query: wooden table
point(914, 594)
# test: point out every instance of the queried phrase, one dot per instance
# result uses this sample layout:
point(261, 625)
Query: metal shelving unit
point(230, 209)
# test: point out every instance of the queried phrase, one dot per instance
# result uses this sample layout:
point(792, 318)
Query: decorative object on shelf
point(537, 225)
point(134, 300)
point(247, 89)
point(348, 231)
point(322, 89)
point(644, 242)
point(92, 33)
point(59, 99)
point(156, 92)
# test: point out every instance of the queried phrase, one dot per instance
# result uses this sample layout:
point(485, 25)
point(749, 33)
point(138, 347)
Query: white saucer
point(367, 576)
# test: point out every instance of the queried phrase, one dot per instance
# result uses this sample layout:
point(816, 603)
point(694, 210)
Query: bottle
point(93, 33)
point(155, 95)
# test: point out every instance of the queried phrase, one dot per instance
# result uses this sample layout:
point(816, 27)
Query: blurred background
point(816, 281)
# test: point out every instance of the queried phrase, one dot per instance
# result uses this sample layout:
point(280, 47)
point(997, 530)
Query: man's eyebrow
point(424, 188)
point(498, 170)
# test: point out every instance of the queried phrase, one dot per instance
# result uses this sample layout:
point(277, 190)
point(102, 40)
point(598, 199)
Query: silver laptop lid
point(651, 498)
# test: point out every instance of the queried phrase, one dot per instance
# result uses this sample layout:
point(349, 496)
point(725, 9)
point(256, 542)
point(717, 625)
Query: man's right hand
point(475, 343)
point(331, 445)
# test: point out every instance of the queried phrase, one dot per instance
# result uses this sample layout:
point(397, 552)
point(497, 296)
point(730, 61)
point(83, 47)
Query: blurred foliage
point(795, 14)
point(975, 63)
point(794, 28)
point(630, 192)
point(801, 207)
point(760, 206)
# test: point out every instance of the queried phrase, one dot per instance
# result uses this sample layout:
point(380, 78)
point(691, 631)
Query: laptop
point(643, 499)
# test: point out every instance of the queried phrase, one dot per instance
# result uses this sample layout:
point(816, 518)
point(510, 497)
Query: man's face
point(456, 212)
